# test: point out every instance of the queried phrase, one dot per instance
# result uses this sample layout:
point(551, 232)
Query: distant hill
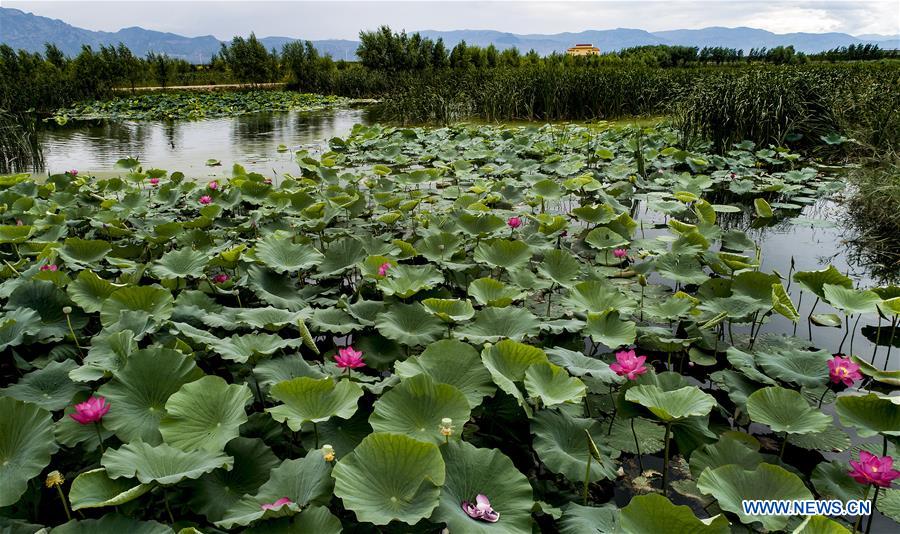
point(29, 32)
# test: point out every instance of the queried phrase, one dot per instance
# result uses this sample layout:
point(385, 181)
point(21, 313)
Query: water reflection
point(250, 140)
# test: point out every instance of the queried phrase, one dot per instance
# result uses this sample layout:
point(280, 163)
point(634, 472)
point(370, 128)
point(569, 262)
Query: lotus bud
point(642, 280)
point(328, 453)
point(446, 427)
point(67, 310)
point(54, 479)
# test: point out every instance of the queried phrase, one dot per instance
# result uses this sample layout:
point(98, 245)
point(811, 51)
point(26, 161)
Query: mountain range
point(26, 31)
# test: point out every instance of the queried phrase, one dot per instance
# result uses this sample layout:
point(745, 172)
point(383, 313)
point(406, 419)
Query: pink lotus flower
point(347, 358)
point(871, 469)
point(629, 364)
point(49, 267)
point(620, 252)
point(213, 185)
point(277, 504)
point(382, 271)
point(514, 222)
point(91, 410)
point(268, 181)
point(206, 199)
point(19, 222)
point(73, 172)
point(481, 509)
point(842, 369)
point(220, 278)
point(154, 182)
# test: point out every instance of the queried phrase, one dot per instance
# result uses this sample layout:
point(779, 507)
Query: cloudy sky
point(344, 19)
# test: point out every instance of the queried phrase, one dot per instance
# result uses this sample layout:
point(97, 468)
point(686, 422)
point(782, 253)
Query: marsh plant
point(480, 328)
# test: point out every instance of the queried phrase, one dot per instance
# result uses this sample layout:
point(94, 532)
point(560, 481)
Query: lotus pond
point(478, 328)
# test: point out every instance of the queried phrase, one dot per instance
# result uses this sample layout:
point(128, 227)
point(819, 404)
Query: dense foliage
point(488, 329)
point(195, 105)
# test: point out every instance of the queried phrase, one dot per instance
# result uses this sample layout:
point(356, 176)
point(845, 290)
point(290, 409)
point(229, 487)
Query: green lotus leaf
point(284, 256)
point(472, 471)
point(215, 493)
point(815, 281)
point(50, 387)
point(562, 445)
point(580, 365)
point(653, 513)
point(162, 463)
point(597, 297)
point(269, 318)
point(390, 477)
point(681, 268)
point(649, 433)
point(242, 348)
point(138, 392)
point(733, 307)
point(826, 319)
point(314, 518)
point(480, 224)
point(409, 324)
point(763, 209)
point(274, 370)
point(891, 378)
point(275, 289)
point(832, 480)
point(405, 281)
point(140, 309)
point(26, 445)
point(560, 266)
point(450, 310)
point(48, 301)
point(205, 414)
point(306, 399)
point(609, 329)
point(781, 302)
point(333, 320)
point(803, 367)
point(415, 408)
point(673, 405)
point(16, 324)
point(577, 519)
point(504, 253)
point(90, 291)
point(304, 481)
point(439, 247)
point(604, 238)
point(889, 504)
point(94, 489)
point(731, 484)
point(819, 524)
point(183, 263)
point(869, 414)
point(831, 439)
point(493, 324)
point(112, 524)
point(453, 362)
point(553, 385)
point(340, 256)
point(11, 233)
point(83, 252)
point(851, 300)
point(507, 361)
point(728, 450)
point(490, 292)
point(785, 410)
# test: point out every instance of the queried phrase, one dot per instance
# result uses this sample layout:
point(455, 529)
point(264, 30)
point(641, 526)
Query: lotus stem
point(891, 342)
point(72, 331)
point(846, 332)
point(168, 509)
point(872, 515)
point(853, 332)
point(62, 499)
point(665, 478)
point(587, 475)
point(823, 396)
point(549, 298)
point(809, 317)
point(637, 446)
point(99, 436)
point(783, 446)
point(877, 340)
point(799, 304)
point(859, 517)
point(612, 419)
point(316, 432)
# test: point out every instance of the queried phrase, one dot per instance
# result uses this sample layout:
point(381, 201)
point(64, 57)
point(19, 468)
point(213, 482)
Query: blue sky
point(344, 19)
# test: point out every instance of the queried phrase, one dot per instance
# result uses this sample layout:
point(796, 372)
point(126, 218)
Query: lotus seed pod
point(54, 479)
